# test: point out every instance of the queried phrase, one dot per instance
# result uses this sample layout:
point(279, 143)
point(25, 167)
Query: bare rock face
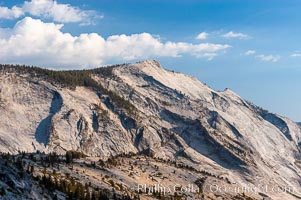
point(158, 112)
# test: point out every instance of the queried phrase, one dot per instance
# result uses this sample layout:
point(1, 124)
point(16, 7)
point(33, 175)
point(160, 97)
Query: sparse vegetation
point(73, 78)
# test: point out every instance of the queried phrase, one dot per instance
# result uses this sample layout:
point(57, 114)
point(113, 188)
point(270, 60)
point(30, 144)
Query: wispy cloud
point(49, 9)
point(232, 34)
point(202, 36)
point(263, 57)
point(34, 42)
point(268, 58)
point(296, 55)
point(250, 52)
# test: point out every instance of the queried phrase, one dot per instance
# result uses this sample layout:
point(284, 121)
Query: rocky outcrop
point(153, 111)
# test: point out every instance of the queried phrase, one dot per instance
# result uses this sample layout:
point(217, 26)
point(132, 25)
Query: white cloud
point(14, 12)
point(263, 57)
point(202, 36)
point(50, 9)
point(232, 34)
point(250, 52)
point(34, 42)
point(268, 58)
point(296, 55)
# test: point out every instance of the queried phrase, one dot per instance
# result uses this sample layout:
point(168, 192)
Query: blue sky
point(252, 47)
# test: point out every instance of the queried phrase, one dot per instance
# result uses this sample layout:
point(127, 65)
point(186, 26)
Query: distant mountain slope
point(143, 108)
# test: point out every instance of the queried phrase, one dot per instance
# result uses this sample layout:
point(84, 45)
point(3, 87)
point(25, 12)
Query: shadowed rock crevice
point(95, 123)
point(44, 128)
point(138, 137)
point(216, 120)
point(280, 124)
point(198, 138)
point(220, 102)
point(127, 122)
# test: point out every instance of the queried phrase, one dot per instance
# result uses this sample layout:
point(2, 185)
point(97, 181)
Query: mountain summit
point(143, 108)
